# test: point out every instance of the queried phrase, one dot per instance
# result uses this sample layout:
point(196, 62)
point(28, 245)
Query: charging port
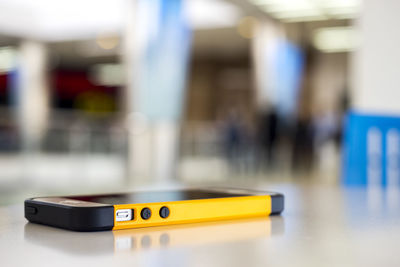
point(123, 215)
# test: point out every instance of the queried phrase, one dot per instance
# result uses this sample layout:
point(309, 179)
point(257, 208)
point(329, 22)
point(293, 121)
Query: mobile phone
point(144, 209)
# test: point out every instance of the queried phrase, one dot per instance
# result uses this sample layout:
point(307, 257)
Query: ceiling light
point(335, 39)
point(305, 10)
point(247, 27)
point(208, 14)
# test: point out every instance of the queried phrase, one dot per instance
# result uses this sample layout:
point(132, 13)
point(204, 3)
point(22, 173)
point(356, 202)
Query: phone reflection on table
point(76, 243)
point(196, 234)
point(89, 243)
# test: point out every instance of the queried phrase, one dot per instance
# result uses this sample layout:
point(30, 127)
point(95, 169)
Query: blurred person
point(236, 140)
point(267, 132)
point(302, 129)
point(344, 106)
point(302, 159)
point(326, 130)
point(325, 126)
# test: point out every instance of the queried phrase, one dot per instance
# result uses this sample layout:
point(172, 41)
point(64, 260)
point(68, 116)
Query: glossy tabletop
point(321, 226)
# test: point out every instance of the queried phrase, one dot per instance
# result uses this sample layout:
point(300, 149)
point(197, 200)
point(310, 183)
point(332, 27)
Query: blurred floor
point(72, 174)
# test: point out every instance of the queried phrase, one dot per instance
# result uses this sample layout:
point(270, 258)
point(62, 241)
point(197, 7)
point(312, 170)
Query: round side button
point(145, 213)
point(164, 212)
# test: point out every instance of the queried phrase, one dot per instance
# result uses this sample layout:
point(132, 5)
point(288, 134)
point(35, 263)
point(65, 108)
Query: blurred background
point(101, 95)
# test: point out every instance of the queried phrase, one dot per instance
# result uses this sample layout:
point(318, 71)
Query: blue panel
point(164, 65)
point(371, 149)
point(288, 63)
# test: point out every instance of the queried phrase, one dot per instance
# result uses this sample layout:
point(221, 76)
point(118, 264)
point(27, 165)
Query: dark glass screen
point(149, 197)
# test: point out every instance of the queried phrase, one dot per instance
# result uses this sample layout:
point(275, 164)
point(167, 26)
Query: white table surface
point(321, 226)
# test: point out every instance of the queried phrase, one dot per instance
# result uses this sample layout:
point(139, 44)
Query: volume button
point(164, 212)
point(145, 213)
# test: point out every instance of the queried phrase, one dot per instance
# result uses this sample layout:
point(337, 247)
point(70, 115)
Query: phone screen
point(149, 197)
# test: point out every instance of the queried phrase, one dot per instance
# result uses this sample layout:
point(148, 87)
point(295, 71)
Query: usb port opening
point(123, 215)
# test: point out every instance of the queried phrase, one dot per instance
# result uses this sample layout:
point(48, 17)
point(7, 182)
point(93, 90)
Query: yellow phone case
point(199, 210)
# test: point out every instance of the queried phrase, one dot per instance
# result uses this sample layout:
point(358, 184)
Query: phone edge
point(82, 219)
